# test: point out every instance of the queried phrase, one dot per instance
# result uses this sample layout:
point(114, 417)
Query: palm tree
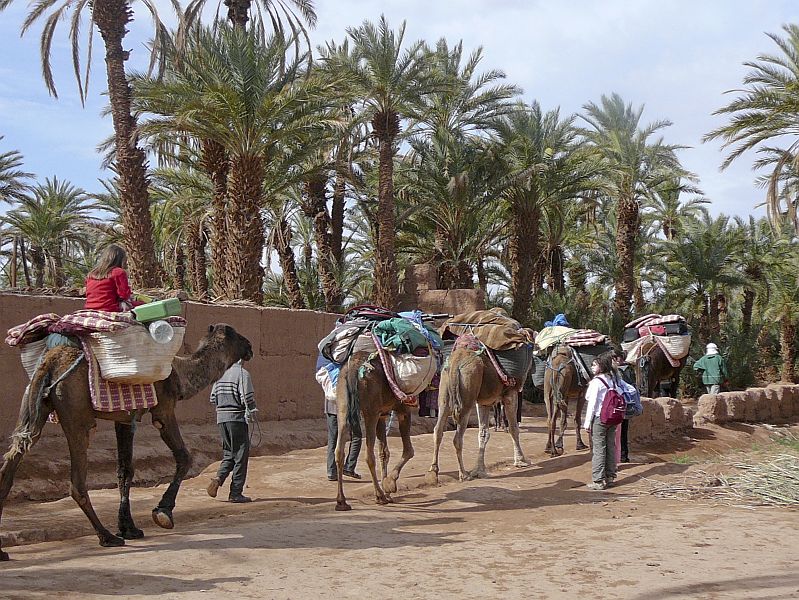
point(390, 83)
point(542, 164)
point(700, 265)
point(244, 94)
point(111, 17)
point(12, 178)
point(765, 111)
point(53, 217)
point(783, 308)
point(280, 13)
point(634, 165)
point(665, 208)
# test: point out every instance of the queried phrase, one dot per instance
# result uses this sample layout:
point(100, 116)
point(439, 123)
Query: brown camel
point(562, 384)
point(60, 384)
point(372, 398)
point(653, 368)
point(469, 379)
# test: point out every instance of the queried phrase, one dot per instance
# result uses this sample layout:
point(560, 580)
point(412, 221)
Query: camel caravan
point(117, 366)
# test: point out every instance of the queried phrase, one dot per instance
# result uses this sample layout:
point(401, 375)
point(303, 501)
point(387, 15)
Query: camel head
point(223, 337)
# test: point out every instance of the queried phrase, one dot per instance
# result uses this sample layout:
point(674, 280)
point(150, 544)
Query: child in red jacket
point(107, 286)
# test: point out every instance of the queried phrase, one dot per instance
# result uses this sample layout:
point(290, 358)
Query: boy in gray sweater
point(234, 399)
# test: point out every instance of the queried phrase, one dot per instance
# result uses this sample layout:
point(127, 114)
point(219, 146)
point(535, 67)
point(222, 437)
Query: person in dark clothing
point(627, 374)
point(325, 371)
point(234, 399)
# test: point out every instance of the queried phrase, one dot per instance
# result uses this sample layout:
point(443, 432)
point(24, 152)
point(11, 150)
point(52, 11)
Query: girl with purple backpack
point(603, 389)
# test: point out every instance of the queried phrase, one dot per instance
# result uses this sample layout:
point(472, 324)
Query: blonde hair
point(112, 256)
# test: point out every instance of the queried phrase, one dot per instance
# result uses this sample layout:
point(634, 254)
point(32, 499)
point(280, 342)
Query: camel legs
point(127, 528)
point(509, 402)
point(77, 435)
point(438, 435)
point(482, 440)
point(578, 417)
point(12, 460)
point(461, 426)
point(343, 426)
point(404, 421)
point(383, 446)
point(370, 423)
point(168, 427)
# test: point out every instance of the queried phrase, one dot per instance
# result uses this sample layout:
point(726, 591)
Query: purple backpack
point(613, 406)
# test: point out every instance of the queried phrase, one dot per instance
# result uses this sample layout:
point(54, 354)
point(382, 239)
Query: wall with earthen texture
point(776, 403)
point(662, 418)
point(284, 348)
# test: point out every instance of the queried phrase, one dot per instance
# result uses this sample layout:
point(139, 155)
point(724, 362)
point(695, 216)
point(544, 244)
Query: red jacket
point(106, 294)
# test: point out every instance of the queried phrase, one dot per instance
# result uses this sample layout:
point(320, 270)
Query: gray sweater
point(233, 395)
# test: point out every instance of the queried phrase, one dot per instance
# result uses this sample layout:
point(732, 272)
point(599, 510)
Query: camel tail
point(454, 390)
point(30, 424)
point(353, 400)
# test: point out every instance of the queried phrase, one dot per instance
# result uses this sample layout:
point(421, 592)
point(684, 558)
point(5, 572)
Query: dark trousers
point(235, 455)
point(332, 440)
point(625, 450)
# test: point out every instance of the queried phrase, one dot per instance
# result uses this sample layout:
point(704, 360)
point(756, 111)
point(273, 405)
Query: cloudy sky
point(675, 57)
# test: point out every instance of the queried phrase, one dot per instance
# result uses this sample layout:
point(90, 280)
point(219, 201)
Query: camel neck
point(198, 371)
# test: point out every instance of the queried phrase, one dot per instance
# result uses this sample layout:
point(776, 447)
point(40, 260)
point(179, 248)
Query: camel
point(467, 380)
point(561, 384)
point(372, 398)
point(652, 368)
point(61, 384)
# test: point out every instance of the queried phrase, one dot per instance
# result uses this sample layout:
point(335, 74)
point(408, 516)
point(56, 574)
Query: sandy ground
point(530, 532)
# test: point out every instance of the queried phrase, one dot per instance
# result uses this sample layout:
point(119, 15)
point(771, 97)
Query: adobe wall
point(284, 348)
point(776, 403)
point(662, 418)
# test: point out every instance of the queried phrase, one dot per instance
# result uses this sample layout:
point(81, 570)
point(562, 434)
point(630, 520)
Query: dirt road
point(522, 533)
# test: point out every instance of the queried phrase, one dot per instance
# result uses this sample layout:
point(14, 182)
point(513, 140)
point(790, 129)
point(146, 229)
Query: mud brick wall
point(662, 418)
point(776, 403)
point(284, 347)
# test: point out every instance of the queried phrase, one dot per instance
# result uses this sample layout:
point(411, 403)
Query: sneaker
point(240, 499)
point(213, 487)
point(352, 474)
point(597, 485)
point(625, 459)
point(332, 478)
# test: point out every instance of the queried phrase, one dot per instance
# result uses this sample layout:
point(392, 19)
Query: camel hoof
point(581, 446)
point(558, 451)
point(478, 474)
point(4, 556)
point(343, 506)
point(389, 485)
point(133, 533)
point(163, 519)
point(381, 500)
point(112, 541)
point(523, 462)
point(431, 478)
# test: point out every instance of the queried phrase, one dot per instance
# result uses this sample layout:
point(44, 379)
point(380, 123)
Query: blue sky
point(675, 57)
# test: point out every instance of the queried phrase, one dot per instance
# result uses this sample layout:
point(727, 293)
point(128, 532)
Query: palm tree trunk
point(639, 301)
point(316, 209)
point(482, 276)
point(245, 231)
point(627, 230)
point(197, 263)
point(238, 12)
point(111, 18)
point(180, 268)
point(523, 247)
point(37, 259)
point(747, 309)
point(214, 161)
point(386, 127)
point(787, 349)
point(25, 270)
point(337, 214)
point(714, 316)
point(556, 269)
point(721, 304)
point(282, 239)
point(13, 275)
point(59, 277)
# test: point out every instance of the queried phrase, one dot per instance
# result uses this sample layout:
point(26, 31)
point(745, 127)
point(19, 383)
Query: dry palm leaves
point(772, 482)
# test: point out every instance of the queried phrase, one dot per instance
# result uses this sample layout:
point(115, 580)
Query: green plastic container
point(157, 310)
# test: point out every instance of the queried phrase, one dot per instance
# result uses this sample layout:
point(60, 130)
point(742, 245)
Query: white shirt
point(595, 394)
